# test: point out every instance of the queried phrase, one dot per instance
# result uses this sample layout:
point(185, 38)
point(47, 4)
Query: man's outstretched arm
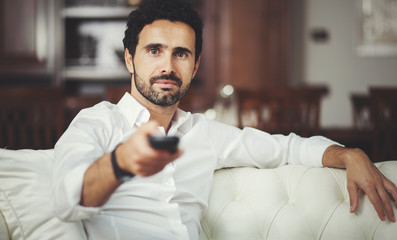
point(135, 156)
point(362, 174)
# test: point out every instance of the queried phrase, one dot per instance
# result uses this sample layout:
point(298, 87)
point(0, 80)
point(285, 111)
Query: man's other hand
point(362, 174)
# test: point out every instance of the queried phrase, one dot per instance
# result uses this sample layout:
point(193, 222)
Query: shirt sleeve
point(255, 148)
point(86, 140)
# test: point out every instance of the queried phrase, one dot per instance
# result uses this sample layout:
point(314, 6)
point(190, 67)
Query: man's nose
point(168, 66)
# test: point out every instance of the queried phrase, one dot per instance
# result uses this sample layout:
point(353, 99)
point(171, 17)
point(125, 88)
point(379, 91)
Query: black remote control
point(169, 143)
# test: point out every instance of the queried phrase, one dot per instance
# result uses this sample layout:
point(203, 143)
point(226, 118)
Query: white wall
point(335, 62)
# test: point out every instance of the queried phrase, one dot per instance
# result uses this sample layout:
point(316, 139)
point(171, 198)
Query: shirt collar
point(180, 117)
point(133, 110)
point(137, 114)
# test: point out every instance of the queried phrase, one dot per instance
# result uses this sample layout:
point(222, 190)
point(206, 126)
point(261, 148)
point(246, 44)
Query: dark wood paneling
point(23, 36)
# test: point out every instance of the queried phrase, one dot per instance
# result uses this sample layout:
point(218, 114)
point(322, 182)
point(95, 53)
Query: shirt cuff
point(315, 148)
point(67, 207)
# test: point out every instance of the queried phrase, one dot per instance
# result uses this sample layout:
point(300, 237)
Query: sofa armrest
point(291, 202)
point(25, 184)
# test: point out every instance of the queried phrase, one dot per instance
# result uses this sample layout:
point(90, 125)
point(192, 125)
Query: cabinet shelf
point(78, 43)
point(97, 12)
point(85, 73)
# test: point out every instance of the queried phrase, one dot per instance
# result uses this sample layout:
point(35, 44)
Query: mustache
point(166, 77)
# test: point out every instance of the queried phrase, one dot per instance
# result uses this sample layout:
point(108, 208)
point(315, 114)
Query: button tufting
point(287, 204)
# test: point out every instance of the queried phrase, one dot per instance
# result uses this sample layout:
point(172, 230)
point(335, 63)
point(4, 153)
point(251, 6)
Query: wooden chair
point(35, 117)
point(361, 111)
point(31, 117)
point(113, 93)
point(73, 104)
point(281, 110)
point(384, 119)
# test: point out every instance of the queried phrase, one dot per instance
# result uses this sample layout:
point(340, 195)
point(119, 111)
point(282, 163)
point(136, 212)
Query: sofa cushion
point(25, 184)
point(291, 202)
point(3, 228)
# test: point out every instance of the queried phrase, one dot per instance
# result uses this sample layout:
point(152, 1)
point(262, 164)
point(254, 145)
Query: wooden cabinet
point(92, 42)
point(27, 38)
point(246, 44)
point(251, 42)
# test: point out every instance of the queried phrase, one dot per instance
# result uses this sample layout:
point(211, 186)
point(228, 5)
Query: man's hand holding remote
point(139, 157)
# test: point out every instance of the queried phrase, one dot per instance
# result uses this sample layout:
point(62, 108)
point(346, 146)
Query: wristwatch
point(120, 174)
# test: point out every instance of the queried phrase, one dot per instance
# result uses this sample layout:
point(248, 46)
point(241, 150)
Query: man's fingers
point(352, 189)
point(157, 161)
point(376, 202)
point(391, 190)
point(386, 203)
point(150, 127)
point(393, 196)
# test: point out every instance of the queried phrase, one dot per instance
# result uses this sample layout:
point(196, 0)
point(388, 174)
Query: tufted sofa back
point(287, 203)
point(291, 202)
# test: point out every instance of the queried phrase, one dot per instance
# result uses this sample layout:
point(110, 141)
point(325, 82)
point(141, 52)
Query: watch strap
point(118, 172)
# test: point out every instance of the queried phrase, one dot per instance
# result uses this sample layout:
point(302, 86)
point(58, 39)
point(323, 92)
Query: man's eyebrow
point(154, 45)
point(183, 49)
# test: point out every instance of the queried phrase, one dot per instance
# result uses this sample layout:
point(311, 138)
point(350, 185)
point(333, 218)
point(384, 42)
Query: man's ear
point(196, 66)
point(128, 61)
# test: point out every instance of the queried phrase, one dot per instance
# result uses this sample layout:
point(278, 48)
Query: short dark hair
point(152, 10)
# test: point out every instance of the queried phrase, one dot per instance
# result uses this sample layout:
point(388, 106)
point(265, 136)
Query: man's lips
point(166, 83)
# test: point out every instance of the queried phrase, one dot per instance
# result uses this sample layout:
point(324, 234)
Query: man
point(107, 174)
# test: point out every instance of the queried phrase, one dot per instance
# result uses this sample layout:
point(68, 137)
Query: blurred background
point(313, 67)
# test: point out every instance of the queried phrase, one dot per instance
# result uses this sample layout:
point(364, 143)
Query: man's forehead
point(166, 32)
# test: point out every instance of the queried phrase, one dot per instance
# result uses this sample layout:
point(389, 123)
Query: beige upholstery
point(25, 182)
point(291, 202)
point(3, 228)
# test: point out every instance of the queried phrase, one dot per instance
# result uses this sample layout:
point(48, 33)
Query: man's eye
point(153, 51)
point(181, 54)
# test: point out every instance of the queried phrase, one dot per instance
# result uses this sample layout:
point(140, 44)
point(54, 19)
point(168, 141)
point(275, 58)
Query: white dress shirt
point(169, 204)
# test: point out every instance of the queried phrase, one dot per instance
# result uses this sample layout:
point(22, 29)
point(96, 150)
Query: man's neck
point(161, 114)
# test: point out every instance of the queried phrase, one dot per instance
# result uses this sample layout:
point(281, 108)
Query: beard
point(163, 97)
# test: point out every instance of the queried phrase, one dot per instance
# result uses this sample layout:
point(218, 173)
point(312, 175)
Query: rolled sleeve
point(312, 150)
point(253, 147)
point(68, 178)
point(85, 141)
point(67, 197)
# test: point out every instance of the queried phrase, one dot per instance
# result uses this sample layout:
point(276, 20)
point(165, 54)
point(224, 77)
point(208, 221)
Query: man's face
point(164, 62)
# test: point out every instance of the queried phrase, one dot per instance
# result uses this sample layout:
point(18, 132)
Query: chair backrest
point(361, 111)
point(384, 120)
point(35, 117)
point(281, 110)
point(31, 117)
point(113, 93)
point(75, 103)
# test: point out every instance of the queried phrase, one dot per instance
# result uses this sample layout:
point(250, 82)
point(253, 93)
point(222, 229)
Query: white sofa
point(291, 202)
